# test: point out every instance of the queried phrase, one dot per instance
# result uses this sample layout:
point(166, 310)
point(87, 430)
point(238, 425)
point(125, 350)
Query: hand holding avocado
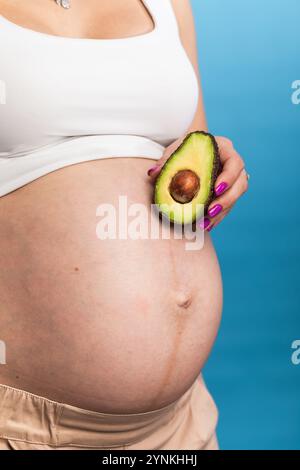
point(199, 170)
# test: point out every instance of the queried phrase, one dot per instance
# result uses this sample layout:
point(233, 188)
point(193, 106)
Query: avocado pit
point(184, 186)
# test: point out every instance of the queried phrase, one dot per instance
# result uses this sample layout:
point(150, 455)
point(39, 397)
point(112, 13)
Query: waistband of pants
point(31, 418)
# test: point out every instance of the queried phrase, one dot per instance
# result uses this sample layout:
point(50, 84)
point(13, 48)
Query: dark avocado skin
point(217, 166)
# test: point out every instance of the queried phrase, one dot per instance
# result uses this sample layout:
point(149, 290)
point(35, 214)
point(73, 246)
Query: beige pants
point(30, 422)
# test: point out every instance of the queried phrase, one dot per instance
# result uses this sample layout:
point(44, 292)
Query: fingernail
point(149, 172)
point(204, 223)
point(221, 188)
point(215, 210)
point(210, 228)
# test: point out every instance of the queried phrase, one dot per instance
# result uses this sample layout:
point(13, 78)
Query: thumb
point(154, 171)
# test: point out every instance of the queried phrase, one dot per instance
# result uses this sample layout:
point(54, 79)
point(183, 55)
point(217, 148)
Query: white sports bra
point(69, 100)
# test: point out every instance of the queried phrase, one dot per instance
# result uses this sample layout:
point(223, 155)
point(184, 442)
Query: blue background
point(249, 56)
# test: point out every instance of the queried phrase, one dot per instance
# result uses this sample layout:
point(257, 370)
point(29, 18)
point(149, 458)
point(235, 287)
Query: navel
point(183, 299)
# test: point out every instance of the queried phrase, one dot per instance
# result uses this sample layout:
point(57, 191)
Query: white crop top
point(67, 100)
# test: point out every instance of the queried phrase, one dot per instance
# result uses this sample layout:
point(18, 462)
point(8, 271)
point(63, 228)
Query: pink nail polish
point(149, 172)
point(210, 228)
point(221, 188)
point(204, 223)
point(215, 210)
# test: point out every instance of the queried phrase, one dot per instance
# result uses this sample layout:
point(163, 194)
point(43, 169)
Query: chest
point(105, 19)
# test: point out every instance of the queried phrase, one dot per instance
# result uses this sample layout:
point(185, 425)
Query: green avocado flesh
point(185, 186)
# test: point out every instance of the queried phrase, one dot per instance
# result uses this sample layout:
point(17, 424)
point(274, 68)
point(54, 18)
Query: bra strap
point(162, 12)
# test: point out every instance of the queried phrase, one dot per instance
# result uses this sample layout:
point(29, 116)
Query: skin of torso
point(114, 326)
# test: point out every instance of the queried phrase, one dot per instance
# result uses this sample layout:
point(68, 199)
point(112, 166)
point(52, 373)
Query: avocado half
point(185, 185)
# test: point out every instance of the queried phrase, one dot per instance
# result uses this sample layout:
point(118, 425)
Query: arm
point(186, 24)
point(233, 181)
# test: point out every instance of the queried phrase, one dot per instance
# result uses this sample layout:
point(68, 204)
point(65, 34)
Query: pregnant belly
point(112, 325)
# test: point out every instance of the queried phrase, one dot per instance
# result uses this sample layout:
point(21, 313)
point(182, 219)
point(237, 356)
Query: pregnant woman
point(105, 339)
